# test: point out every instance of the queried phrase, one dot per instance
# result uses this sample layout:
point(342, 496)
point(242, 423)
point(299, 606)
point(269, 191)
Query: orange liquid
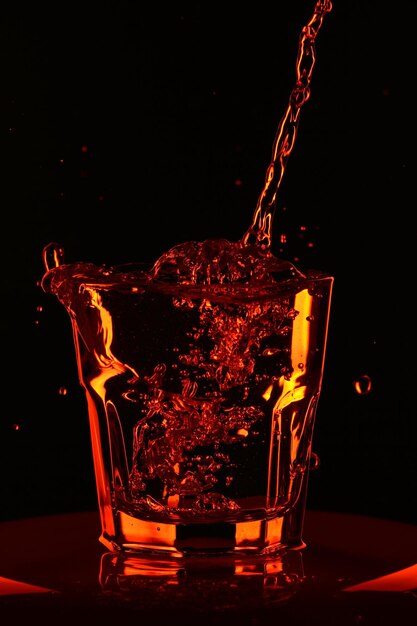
point(201, 398)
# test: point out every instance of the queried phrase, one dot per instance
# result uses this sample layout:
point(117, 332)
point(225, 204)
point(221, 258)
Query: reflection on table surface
point(354, 570)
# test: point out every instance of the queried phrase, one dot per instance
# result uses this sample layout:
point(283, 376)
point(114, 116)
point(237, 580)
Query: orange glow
point(267, 393)
point(400, 581)
point(148, 534)
point(247, 570)
point(362, 385)
point(173, 501)
point(9, 587)
point(292, 390)
point(110, 365)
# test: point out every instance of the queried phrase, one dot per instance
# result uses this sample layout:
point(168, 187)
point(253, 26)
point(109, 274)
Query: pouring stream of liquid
point(260, 229)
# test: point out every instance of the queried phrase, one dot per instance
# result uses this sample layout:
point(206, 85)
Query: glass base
point(262, 536)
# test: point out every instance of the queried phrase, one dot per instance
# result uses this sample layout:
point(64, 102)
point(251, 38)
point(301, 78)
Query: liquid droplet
point(314, 461)
point(363, 385)
point(53, 256)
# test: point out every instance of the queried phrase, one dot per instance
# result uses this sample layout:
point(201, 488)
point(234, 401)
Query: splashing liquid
point(260, 229)
point(202, 372)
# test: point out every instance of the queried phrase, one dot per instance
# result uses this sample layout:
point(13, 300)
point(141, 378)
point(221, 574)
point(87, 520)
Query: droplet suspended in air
point(362, 385)
point(314, 461)
point(53, 255)
point(63, 391)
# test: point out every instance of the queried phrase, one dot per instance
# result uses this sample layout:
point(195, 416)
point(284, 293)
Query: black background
point(128, 129)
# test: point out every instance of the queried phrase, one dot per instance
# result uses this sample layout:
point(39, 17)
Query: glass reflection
point(214, 582)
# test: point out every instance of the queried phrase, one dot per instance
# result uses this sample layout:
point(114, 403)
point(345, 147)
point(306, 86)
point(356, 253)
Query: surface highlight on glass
point(202, 375)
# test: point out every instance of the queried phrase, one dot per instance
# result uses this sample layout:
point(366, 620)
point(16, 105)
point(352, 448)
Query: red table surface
point(354, 570)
